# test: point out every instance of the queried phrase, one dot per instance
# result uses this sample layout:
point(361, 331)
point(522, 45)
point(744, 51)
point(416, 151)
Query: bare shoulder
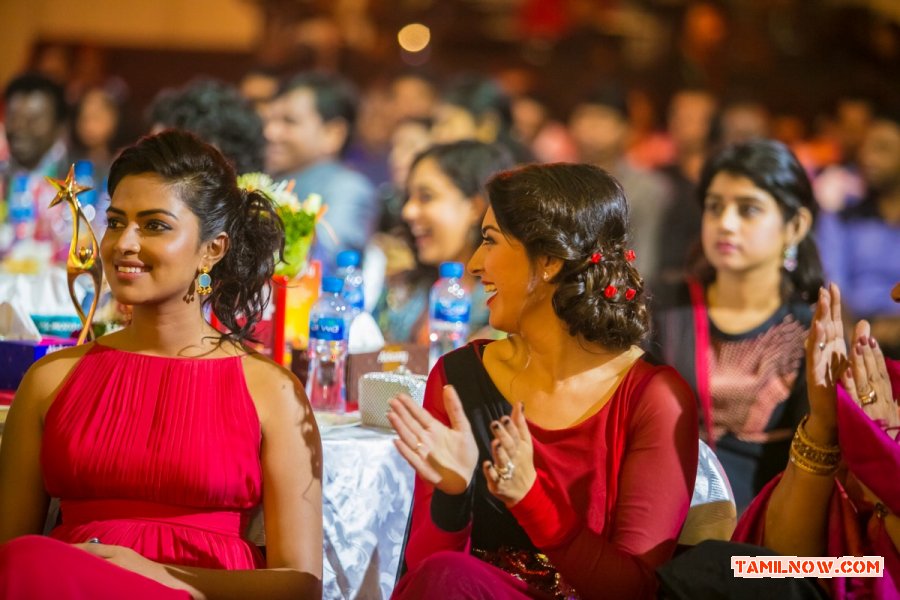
point(274, 389)
point(45, 377)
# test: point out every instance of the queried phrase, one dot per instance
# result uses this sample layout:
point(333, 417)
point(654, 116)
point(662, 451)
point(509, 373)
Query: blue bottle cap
point(348, 258)
point(332, 285)
point(84, 168)
point(451, 269)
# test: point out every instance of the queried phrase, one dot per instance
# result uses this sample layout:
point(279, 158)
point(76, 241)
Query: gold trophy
point(83, 257)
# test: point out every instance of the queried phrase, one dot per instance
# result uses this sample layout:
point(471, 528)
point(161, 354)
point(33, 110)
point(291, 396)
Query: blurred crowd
point(400, 188)
point(741, 212)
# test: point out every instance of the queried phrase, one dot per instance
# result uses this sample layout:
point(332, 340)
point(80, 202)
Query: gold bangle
point(804, 438)
point(811, 457)
point(812, 467)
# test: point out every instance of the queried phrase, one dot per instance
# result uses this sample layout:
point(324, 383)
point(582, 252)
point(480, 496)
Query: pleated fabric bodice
point(158, 454)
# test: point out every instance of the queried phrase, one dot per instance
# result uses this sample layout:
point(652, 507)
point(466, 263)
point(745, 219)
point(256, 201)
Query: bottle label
point(327, 328)
point(453, 312)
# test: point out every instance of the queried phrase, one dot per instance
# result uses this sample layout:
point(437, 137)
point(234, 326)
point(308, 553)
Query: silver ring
point(506, 472)
point(94, 540)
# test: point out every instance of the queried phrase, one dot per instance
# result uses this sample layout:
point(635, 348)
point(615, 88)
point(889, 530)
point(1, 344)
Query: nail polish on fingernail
point(858, 349)
point(495, 425)
point(872, 342)
point(522, 406)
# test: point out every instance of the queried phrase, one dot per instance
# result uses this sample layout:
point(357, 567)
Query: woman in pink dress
point(839, 494)
point(559, 462)
point(162, 439)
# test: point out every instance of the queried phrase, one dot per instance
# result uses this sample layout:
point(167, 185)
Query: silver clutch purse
point(377, 388)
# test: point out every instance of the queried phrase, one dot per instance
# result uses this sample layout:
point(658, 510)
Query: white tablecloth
point(367, 494)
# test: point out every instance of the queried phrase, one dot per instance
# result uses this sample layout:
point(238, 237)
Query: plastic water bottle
point(448, 312)
point(349, 270)
point(328, 330)
point(21, 209)
point(84, 175)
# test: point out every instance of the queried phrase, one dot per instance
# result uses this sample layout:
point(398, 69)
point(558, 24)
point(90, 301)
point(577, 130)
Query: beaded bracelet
point(812, 457)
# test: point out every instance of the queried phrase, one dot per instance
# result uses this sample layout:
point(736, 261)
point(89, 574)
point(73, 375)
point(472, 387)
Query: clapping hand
point(444, 456)
point(867, 380)
point(511, 474)
point(826, 356)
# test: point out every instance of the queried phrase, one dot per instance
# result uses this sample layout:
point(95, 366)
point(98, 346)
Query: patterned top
point(755, 381)
point(752, 374)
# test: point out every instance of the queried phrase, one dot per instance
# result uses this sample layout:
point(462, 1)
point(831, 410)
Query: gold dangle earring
point(204, 281)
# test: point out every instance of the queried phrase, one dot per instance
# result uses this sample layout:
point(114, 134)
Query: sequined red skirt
point(531, 567)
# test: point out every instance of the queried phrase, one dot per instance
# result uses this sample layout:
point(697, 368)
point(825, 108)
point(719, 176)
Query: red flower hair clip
point(630, 294)
point(629, 255)
point(610, 291)
point(596, 257)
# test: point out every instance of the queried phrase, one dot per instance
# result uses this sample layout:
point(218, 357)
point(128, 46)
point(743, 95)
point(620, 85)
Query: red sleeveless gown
point(158, 454)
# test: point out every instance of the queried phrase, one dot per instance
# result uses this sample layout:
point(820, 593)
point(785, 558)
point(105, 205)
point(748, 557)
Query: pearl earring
point(546, 276)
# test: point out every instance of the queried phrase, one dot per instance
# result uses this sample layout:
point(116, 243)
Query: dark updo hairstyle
point(572, 212)
point(205, 181)
point(772, 167)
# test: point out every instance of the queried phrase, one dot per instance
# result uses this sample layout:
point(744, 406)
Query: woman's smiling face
point(439, 215)
point(508, 276)
point(151, 250)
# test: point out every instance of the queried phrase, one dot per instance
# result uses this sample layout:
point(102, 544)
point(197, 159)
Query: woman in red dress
point(161, 439)
point(585, 496)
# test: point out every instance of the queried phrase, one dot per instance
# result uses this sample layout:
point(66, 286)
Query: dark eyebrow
point(750, 199)
point(741, 198)
point(487, 228)
point(143, 213)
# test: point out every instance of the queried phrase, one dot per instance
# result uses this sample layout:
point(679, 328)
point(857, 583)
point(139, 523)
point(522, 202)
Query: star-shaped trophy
point(83, 257)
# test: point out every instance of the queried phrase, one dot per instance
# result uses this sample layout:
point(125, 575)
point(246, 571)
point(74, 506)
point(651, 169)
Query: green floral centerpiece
point(299, 218)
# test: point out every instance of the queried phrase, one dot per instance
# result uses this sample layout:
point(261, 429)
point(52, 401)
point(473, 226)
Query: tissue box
point(17, 355)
